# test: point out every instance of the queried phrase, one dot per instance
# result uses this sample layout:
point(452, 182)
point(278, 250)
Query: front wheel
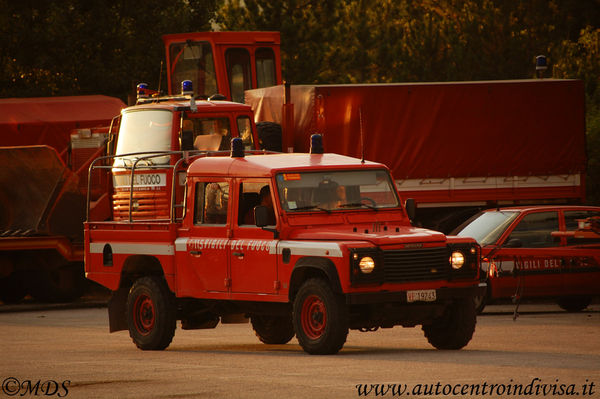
point(455, 328)
point(320, 318)
point(273, 330)
point(151, 316)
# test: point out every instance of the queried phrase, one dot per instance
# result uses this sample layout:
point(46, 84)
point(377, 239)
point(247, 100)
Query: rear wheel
point(273, 330)
point(13, 288)
point(455, 328)
point(574, 303)
point(320, 318)
point(151, 316)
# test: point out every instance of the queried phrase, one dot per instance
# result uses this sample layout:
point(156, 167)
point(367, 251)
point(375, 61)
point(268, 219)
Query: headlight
point(366, 264)
point(457, 260)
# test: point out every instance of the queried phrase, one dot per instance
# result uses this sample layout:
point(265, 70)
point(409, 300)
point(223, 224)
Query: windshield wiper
point(305, 208)
point(357, 204)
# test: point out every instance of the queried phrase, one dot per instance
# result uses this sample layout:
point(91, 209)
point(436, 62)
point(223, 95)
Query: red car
point(539, 251)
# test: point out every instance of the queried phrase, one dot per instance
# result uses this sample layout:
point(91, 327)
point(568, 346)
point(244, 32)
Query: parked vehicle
point(539, 252)
point(46, 147)
point(335, 252)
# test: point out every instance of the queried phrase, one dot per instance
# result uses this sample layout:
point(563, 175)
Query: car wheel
point(455, 328)
point(320, 318)
point(151, 316)
point(273, 330)
point(574, 303)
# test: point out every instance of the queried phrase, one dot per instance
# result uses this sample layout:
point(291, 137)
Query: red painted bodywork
point(236, 262)
point(559, 270)
point(220, 42)
point(448, 143)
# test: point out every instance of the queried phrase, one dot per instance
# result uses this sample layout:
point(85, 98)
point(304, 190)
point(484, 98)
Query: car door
point(581, 257)
point(253, 249)
point(208, 243)
point(528, 261)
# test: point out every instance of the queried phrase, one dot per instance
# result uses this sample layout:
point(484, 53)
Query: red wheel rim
point(314, 317)
point(144, 315)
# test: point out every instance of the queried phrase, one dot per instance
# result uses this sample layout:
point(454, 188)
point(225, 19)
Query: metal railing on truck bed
point(186, 157)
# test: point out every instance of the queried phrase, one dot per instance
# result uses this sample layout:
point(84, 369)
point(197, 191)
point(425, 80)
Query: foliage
point(67, 47)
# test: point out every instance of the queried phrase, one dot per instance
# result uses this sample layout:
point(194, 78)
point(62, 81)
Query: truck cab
point(151, 135)
point(307, 245)
point(227, 63)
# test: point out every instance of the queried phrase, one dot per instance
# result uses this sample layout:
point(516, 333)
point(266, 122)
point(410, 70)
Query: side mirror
point(261, 215)
point(411, 208)
point(187, 140)
point(513, 243)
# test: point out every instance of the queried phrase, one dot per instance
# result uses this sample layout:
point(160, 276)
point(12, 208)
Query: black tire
point(273, 330)
point(482, 301)
point(269, 136)
point(320, 318)
point(574, 304)
point(151, 316)
point(57, 284)
point(13, 288)
point(455, 328)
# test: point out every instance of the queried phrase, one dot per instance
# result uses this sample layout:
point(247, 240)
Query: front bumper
point(442, 295)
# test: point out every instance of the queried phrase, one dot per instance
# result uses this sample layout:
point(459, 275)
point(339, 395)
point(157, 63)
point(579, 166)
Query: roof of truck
point(181, 103)
point(268, 165)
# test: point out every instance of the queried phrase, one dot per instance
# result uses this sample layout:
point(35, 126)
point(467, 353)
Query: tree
point(67, 47)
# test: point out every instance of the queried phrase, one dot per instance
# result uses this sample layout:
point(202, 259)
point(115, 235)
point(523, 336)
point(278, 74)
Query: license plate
point(421, 295)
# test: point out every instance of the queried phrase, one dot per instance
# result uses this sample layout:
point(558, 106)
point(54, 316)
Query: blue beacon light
point(187, 88)
point(142, 90)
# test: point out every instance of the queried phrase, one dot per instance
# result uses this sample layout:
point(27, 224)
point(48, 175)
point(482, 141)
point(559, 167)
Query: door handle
point(195, 253)
point(238, 254)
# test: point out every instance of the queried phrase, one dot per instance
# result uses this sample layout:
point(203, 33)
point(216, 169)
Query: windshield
point(193, 61)
point(336, 190)
point(144, 131)
point(487, 227)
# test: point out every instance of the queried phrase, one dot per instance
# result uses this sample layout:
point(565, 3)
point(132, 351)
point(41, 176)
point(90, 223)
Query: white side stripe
point(133, 248)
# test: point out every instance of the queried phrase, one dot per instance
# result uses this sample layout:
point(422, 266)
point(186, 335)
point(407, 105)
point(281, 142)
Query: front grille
point(416, 264)
point(146, 205)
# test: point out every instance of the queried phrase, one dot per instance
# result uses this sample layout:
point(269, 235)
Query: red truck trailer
point(454, 147)
point(46, 146)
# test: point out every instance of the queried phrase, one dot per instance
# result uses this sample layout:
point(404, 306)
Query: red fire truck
point(310, 245)
point(539, 252)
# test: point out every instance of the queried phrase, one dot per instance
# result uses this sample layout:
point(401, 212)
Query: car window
point(211, 203)
point(571, 223)
point(535, 231)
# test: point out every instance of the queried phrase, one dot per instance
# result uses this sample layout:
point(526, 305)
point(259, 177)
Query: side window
point(210, 134)
point(211, 201)
point(245, 129)
point(265, 67)
point(571, 222)
point(238, 72)
point(535, 230)
point(253, 193)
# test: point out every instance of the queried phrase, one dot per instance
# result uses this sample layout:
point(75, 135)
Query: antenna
point(160, 76)
point(362, 139)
